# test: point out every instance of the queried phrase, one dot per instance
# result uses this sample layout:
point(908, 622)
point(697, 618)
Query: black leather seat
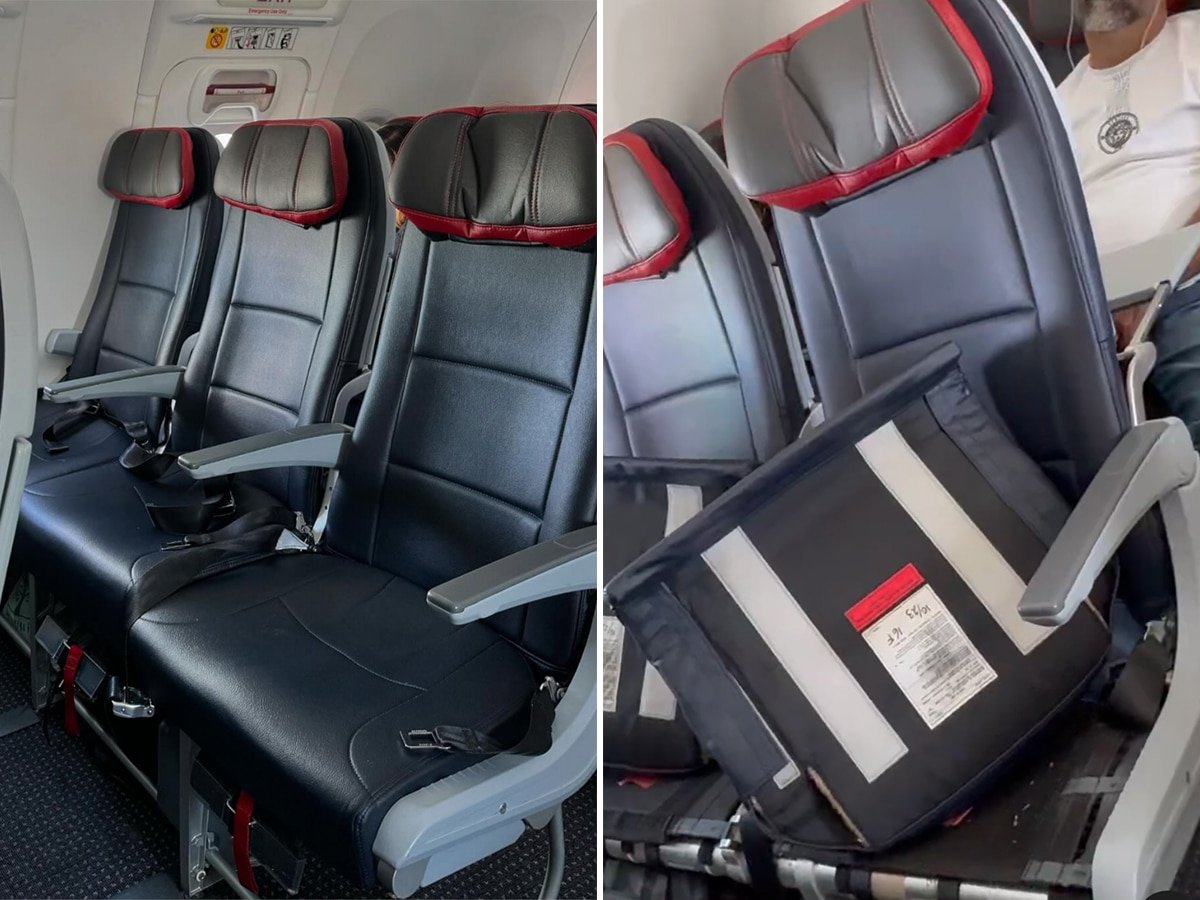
point(697, 362)
point(983, 241)
point(153, 287)
point(298, 674)
point(294, 282)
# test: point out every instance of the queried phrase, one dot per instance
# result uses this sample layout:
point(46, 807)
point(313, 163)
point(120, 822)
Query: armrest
point(319, 445)
point(565, 564)
point(152, 381)
point(1133, 273)
point(62, 341)
point(1151, 461)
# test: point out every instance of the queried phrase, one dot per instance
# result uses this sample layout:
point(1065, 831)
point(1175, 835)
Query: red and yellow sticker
point(218, 36)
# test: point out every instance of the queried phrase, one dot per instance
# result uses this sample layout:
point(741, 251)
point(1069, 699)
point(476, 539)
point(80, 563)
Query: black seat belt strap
point(79, 414)
point(457, 739)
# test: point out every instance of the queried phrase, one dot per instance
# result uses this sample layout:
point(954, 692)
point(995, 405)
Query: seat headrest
point(151, 165)
point(645, 216)
point(524, 174)
point(867, 91)
point(291, 169)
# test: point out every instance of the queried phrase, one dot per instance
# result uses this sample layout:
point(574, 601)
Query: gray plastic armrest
point(1131, 274)
point(62, 341)
point(152, 381)
point(1150, 462)
point(319, 445)
point(565, 564)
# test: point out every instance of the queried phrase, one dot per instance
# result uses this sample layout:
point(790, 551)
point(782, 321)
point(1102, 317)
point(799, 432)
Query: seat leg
point(43, 679)
point(558, 858)
point(1152, 824)
point(194, 833)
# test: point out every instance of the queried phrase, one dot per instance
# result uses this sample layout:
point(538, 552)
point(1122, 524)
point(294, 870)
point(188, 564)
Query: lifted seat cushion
point(301, 672)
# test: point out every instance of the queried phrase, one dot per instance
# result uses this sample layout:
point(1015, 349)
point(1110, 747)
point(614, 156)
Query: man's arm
point(1193, 268)
point(1126, 320)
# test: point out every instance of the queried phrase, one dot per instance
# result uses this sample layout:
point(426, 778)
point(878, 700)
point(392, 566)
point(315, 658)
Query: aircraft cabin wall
point(69, 83)
point(683, 78)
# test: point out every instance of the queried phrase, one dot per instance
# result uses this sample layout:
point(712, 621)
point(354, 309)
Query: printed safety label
point(251, 37)
point(928, 655)
point(614, 645)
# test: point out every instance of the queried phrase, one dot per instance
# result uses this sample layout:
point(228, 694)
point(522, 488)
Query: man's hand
point(1126, 322)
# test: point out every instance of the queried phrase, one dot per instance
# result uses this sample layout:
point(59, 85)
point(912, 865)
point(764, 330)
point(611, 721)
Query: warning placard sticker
point(614, 645)
point(928, 655)
point(251, 37)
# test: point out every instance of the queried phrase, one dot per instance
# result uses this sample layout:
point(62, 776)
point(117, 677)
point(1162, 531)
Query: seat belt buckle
point(423, 739)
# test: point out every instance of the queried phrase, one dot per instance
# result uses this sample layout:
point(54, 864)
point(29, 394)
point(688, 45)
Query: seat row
point(320, 623)
point(915, 212)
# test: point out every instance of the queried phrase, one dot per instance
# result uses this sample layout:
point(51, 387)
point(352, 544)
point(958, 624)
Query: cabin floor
point(74, 825)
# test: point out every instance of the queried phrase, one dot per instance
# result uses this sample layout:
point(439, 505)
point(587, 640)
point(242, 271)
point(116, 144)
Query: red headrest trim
point(469, 229)
point(338, 165)
point(187, 179)
point(942, 142)
point(664, 259)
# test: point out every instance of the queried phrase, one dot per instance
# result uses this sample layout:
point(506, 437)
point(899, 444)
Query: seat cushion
point(86, 536)
point(296, 676)
point(96, 442)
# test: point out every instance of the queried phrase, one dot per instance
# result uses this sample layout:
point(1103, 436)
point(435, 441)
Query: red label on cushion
point(884, 597)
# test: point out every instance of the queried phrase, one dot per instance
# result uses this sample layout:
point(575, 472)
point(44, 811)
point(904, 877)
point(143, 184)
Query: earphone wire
point(1071, 36)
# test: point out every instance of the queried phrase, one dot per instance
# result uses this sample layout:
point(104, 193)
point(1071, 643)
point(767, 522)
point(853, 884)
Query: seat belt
point(79, 414)
point(759, 852)
point(253, 536)
point(1140, 689)
point(457, 739)
point(189, 509)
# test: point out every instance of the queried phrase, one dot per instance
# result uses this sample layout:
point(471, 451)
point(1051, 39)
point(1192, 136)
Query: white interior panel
point(76, 84)
point(407, 57)
point(683, 78)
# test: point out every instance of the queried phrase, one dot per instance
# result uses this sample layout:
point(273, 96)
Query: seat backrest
point(477, 436)
point(298, 270)
point(697, 362)
point(159, 260)
point(926, 192)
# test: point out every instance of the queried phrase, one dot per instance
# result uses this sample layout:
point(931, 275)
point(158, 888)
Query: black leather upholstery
point(516, 174)
point(151, 165)
point(645, 216)
point(298, 675)
point(280, 336)
point(151, 295)
point(295, 170)
point(476, 439)
point(868, 91)
point(696, 362)
point(990, 248)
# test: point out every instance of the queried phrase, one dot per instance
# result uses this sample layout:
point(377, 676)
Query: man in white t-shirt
point(1133, 106)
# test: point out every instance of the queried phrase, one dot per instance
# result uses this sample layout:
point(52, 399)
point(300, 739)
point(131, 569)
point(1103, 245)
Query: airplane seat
point(307, 679)
point(699, 349)
point(297, 272)
point(150, 297)
point(966, 225)
point(925, 194)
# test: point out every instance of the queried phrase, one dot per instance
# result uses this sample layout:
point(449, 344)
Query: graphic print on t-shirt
point(1120, 123)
